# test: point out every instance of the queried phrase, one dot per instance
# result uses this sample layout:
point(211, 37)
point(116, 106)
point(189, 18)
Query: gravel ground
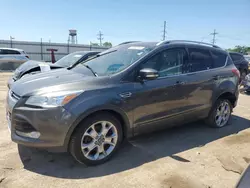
point(190, 156)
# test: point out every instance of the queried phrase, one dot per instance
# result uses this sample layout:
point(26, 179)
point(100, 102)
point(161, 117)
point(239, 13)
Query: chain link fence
point(38, 50)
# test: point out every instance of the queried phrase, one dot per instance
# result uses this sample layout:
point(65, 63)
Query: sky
point(126, 20)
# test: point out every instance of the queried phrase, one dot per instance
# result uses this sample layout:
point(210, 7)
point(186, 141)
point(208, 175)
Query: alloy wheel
point(222, 114)
point(99, 140)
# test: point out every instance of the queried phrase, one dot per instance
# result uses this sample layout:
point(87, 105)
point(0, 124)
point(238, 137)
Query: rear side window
point(236, 57)
point(200, 59)
point(8, 52)
point(219, 59)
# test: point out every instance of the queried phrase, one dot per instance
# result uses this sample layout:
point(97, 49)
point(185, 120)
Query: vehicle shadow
point(134, 153)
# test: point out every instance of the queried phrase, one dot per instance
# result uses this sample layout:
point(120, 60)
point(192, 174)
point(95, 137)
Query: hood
point(29, 65)
point(57, 80)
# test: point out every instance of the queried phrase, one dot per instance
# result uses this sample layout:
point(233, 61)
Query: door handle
point(180, 83)
point(217, 77)
point(125, 95)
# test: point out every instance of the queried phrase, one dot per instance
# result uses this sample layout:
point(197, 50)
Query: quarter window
point(168, 62)
point(219, 59)
point(236, 57)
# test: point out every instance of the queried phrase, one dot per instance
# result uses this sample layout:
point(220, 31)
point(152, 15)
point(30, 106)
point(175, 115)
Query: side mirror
point(148, 74)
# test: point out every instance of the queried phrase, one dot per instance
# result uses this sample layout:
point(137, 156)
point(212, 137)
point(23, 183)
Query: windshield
point(70, 59)
point(247, 58)
point(116, 59)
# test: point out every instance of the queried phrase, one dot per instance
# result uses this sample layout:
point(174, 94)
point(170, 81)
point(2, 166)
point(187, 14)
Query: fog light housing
point(33, 134)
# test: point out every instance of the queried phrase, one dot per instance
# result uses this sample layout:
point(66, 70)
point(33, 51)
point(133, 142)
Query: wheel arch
point(229, 96)
point(116, 112)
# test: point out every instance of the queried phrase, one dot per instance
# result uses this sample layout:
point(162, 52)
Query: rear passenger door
point(200, 82)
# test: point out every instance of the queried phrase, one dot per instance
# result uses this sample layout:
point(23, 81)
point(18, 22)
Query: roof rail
point(127, 42)
point(188, 41)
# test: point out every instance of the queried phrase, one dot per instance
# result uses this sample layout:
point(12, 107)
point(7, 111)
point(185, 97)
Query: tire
point(92, 140)
point(213, 117)
point(243, 75)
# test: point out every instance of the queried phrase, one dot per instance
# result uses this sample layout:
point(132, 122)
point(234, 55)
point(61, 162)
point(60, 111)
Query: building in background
point(38, 50)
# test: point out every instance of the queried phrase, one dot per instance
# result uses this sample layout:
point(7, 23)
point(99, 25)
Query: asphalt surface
point(190, 156)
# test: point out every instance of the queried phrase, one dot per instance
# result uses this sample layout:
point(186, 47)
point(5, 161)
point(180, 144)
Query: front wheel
point(96, 139)
point(220, 114)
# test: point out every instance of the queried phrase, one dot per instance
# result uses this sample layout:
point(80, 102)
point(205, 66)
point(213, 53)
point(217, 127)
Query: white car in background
point(11, 58)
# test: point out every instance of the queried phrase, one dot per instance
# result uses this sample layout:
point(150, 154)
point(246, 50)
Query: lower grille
point(22, 125)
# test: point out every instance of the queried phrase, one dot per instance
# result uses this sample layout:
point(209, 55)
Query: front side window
point(200, 59)
point(168, 62)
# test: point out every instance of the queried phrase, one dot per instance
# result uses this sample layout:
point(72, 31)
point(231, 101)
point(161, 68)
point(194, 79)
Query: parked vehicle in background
point(34, 67)
point(247, 57)
point(130, 89)
point(244, 180)
point(11, 58)
point(241, 63)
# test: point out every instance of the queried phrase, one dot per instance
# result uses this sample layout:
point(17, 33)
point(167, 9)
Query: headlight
point(54, 99)
point(16, 74)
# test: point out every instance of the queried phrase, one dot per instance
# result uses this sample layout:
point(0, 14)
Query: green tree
point(240, 49)
point(107, 44)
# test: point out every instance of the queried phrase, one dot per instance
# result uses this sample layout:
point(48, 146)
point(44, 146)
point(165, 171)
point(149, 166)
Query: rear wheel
point(96, 139)
point(243, 75)
point(220, 114)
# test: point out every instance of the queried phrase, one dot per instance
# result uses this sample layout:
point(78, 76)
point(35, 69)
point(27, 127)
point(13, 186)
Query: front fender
point(87, 104)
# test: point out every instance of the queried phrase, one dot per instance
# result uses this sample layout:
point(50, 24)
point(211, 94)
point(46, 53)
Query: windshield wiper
point(88, 67)
point(93, 57)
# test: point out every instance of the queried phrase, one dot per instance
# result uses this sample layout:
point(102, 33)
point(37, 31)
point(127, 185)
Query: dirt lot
point(190, 156)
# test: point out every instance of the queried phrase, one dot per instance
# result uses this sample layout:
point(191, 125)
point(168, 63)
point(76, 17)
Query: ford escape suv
point(132, 88)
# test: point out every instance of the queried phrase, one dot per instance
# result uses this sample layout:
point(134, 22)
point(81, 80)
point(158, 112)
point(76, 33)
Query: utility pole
point(11, 38)
point(164, 31)
point(99, 37)
point(214, 34)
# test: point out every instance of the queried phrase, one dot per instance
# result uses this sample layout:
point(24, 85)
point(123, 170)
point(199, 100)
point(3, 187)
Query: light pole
point(11, 38)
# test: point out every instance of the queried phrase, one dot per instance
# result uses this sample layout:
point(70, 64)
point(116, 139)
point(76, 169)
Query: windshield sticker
point(115, 67)
point(136, 48)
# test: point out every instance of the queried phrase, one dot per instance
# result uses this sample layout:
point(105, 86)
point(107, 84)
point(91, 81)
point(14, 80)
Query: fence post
point(68, 46)
point(41, 49)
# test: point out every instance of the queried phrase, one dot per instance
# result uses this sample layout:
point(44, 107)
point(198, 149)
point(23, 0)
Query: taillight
point(236, 72)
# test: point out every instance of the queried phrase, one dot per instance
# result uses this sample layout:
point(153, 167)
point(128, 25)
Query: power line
point(164, 31)
point(214, 34)
point(99, 37)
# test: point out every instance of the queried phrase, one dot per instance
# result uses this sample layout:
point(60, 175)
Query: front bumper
point(51, 123)
point(10, 82)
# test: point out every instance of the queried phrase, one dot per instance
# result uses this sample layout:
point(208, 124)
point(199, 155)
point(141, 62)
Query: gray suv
point(132, 88)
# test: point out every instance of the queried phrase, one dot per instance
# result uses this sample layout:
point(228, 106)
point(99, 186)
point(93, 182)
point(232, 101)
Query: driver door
point(159, 103)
